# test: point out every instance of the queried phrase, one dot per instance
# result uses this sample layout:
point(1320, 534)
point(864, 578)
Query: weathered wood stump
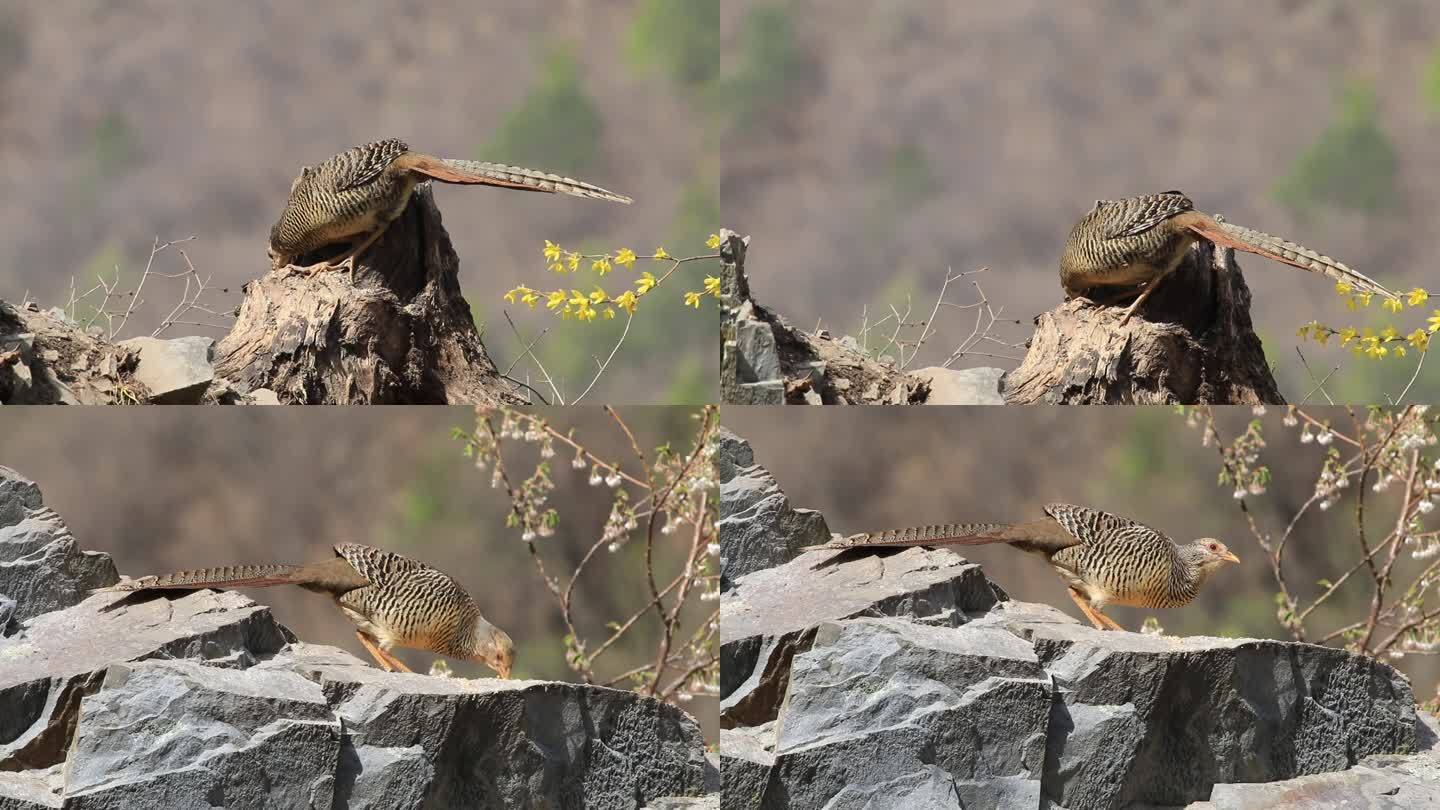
point(1191, 343)
point(400, 333)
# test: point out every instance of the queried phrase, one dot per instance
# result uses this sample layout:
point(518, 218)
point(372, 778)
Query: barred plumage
point(1140, 240)
point(395, 601)
point(1103, 558)
point(360, 191)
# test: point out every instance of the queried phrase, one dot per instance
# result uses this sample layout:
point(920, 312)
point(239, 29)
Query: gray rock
point(177, 371)
point(7, 615)
point(415, 740)
point(18, 496)
point(971, 386)
point(746, 756)
point(886, 712)
point(179, 734)
point(1162, 720)
point(769, 616)
point(1384, 782)
point(30, 790)
point(61, 656)
point(758, 527)
point(770, 392)
point(758, 360)
point(711, 802)
point(41, 566)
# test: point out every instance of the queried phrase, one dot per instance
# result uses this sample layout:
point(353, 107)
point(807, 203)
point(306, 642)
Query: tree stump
point(1190, 343)
point(400, 333)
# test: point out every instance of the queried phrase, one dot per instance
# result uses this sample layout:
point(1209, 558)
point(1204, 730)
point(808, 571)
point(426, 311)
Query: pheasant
point(360, 191)
point(1103, 558)
point(1141, 240)
point(393, 600)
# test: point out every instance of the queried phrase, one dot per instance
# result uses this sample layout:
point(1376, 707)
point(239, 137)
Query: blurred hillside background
point(943, 465)
point(125, 121)
point(866, 147)
point(166, 490)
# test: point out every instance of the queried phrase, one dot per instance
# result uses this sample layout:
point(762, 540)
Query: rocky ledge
point(910, 680)
point(204, 700)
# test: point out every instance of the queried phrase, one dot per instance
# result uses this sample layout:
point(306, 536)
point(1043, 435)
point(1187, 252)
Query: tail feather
point(229, 576)
point(1283, 250)
point(943, 534)
point(474, 172)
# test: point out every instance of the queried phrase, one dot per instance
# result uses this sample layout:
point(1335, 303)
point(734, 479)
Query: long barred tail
point(449, 170)
point(936, 535)
point(229, 576)
point(1304, 258)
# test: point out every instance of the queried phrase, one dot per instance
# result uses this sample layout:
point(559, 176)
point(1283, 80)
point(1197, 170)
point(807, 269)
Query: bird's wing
point(376, 565)
point(1143, 213)
point(1088, 525)
point(362, 164)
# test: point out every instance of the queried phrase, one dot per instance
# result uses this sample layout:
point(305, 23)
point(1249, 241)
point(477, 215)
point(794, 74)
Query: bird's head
point(494, 648)
point(1208, 554)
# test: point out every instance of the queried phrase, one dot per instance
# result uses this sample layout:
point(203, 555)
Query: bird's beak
point(1229, 556)
point(502, 669)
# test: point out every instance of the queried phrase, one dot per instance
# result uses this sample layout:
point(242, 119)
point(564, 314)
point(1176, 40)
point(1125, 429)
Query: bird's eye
point(1214, 547)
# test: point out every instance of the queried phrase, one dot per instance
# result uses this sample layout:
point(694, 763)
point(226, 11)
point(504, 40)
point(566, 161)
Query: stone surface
point(971, 386)
point(41, 567)
point(176, 371)
point(59, 657)
point(755, 342)
point(886, 712)
point(758, 527)
point(179, 734)
point(771, 615)
point(1383, 782)
point(746, 756)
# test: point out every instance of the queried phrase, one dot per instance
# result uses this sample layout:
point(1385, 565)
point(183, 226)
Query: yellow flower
point(609, 313)
point(1347, 334)
point(601, 265)
point(1389, 333)
point(1434, 322)
point(1398, 350)
point(556, 267)
point(1420, 339)
point(625, 258)
point(599, 296)
point(627, 301)
point(1394, 304)
point(1304, 330)
point(712, 286)
point(510, 296)
point(555, 299)
point(647, 281)
point(1418, 297)
point(1365, 299)
point(692, 299)
point(1343, 287)
point(661, 254)
point(573, 260)
point(713, 242)
point(552, 251)
point(1322, 335)
point(530, 298)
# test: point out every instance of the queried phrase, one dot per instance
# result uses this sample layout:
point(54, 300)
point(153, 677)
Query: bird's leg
point(1100, 620)
point(388, 662)
point(1140, 299)
point(348, 260)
